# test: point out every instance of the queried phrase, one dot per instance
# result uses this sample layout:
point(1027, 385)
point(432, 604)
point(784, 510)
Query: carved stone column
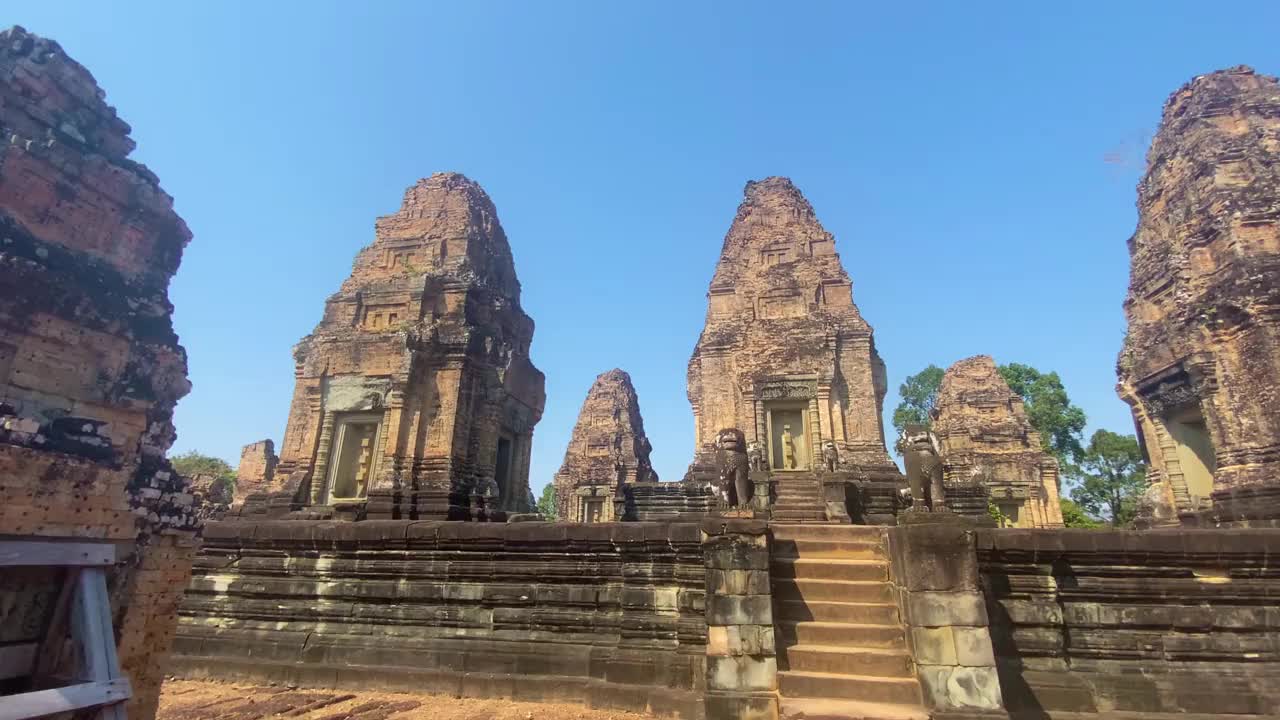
point(324, 450)
point(815, 435)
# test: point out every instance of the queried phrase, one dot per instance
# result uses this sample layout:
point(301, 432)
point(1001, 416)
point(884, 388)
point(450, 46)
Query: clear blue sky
point(976, 162)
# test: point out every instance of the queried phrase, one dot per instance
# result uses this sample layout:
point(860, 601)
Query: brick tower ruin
point(785, 357)
point(415, 394)
point(90, 372)
point(1201, 362)
point(608, 449)
point(987, 441)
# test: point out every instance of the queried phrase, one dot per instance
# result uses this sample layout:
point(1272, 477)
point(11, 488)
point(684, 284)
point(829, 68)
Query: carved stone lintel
point(788, 389)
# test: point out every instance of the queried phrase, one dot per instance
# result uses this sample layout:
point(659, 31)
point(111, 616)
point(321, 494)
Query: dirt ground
point(191, 700)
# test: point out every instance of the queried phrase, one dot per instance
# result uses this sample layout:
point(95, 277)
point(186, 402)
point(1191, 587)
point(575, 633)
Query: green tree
point(1112, 477)
point(918, 393)
point(1060, 423)
point(190, 464)
point(1074, 516)
point(547, 502)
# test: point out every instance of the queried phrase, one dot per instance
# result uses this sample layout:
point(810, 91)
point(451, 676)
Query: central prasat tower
point(785, 356)
point(415, 396)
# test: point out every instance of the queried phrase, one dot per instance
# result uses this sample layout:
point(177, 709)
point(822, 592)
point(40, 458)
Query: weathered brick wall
point(611, 614)
point(90, 368)
point(1143, 622)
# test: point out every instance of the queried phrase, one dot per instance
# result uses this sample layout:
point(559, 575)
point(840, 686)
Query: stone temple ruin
point(607, 451)
point(389, 546)
point(786, 360)
point(1200, 361)
point(415, 396)
point(256, 473)
point(989, 451)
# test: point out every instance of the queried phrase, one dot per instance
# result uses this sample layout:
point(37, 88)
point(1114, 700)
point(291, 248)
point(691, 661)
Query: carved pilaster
point(320, 475)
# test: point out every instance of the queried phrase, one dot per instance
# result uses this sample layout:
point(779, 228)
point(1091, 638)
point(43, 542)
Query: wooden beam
point(17, 661)
point(66, 699)
point(91, 627)
point(22, 552)
point(51, 648)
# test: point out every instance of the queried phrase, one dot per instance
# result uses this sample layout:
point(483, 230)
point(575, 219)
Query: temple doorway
point(1194, 450)
point(356, 457)
point(788, 437)
point(502, 469)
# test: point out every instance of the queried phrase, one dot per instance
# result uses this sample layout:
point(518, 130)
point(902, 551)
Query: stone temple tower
point(415, 395)
point(608, 448)
point(785, 357)
point(1201, 361)
point(987, 440)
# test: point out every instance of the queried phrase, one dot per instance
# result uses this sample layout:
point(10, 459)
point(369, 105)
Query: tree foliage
point(1050, 411)
point(547, 502)
point(1074, 516)
point(1060, 423)
point(919, 392)
point(192, 463)
point(1112, 477)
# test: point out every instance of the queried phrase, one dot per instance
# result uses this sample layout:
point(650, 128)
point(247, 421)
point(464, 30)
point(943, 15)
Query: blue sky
point(976, 162)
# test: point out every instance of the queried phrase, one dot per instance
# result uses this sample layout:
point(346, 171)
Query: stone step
point(830, 633)
point(832, 590)
point(830, 569)
point(783, 548)
point(844, 533)
point(800, 515)
point(852, 613)
point(871, 662)
point(829, 709)
point(809, 493)
point(898, 691)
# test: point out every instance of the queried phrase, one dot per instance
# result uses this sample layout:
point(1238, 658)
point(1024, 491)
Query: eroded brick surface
point(424, 353)
point(987, 440)
point(1200, 364)
point(608, 448)
point(90, 368)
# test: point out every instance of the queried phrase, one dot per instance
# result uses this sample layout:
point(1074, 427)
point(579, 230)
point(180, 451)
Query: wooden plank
point(17, 660)
point(66, 699)
point(55, 637)
point(87, 630)
point(92, 631)
point(23, 552)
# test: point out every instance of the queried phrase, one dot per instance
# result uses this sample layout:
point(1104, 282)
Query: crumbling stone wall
point(90, 368)
point(608, 448)
point(1141, 622)
point(1200, 365)
point(742, 662)
point(256, 472)
point(415, 396)
point(610, 614)
point(934, 571)
point(986, 439)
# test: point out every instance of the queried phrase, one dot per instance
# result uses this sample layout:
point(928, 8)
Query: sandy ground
point(190, 700)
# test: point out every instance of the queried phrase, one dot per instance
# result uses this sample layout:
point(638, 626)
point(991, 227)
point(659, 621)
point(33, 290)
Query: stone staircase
point(842, 649)
point(798, 498)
